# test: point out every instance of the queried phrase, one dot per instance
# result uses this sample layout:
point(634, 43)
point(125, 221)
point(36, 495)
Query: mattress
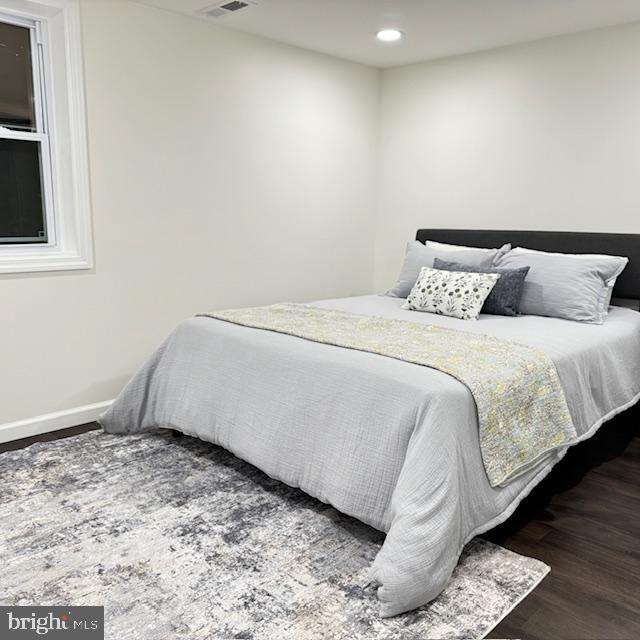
point(391, 443)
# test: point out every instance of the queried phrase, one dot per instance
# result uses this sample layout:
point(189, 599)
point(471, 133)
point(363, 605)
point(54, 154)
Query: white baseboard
point(52, 421)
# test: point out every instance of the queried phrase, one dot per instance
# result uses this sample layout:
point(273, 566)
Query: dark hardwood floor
point(584, 522)
point(47, 437)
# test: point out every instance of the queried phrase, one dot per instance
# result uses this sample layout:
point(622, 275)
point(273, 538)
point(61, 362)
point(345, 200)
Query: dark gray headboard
point(618, 244)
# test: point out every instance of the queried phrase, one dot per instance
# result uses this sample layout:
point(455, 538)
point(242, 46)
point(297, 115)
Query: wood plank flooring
point(584, 522)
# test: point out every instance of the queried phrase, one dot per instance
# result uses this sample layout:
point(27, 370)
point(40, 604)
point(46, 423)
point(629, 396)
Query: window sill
point(42, 259)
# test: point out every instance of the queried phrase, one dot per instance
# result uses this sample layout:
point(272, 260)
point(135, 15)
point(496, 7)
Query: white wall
point(230, 170)
point(539, 136)
point(226, 170)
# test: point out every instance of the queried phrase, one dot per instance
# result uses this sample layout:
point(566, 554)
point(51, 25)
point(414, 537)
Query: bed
point(392, 443)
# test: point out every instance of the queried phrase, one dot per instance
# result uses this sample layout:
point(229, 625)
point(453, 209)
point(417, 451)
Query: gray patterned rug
point(179, 539)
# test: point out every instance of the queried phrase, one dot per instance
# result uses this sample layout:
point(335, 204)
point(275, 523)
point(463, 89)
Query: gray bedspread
point(522, 412)
point(392, 443)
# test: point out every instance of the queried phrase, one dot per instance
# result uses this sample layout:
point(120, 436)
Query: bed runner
point(522, 410)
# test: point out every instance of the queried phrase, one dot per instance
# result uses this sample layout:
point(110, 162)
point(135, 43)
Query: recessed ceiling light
point(389, 35)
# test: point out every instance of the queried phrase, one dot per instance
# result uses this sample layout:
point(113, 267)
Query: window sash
point(42, 135)
point(46, 179)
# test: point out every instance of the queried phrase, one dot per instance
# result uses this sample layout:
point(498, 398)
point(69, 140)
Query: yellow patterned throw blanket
point(522, 410)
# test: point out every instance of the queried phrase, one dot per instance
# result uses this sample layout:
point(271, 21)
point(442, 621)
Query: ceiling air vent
point(226, 8)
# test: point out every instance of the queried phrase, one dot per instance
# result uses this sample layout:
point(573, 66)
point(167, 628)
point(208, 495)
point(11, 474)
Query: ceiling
point(433, 28)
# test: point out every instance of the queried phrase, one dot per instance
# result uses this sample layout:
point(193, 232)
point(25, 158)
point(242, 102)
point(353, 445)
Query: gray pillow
point(561, 285)
point(422, 255)
point(504, 298)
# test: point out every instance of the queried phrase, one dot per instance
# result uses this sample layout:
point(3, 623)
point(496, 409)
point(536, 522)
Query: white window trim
point(64, 139)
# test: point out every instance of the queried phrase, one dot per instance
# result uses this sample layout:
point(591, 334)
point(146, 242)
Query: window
point(24, 146)
point(44, 193)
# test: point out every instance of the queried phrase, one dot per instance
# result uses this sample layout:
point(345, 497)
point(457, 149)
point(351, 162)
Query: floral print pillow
point(451, 293)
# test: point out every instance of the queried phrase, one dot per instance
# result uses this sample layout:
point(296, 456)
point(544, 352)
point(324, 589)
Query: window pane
point(16, 78)
point(21, 212)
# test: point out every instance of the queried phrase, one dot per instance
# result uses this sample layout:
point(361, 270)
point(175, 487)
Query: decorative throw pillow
point(422, 255)
point(451, 293)
point(566, 285)
point(505, 296)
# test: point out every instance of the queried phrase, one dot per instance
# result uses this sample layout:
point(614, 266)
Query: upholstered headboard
point(618, 244)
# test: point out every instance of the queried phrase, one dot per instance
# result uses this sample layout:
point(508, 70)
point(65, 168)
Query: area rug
point(178, 539)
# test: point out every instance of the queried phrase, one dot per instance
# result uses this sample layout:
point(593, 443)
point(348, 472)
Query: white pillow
point(420, 255)
point(451, 293)
point(565, 285)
